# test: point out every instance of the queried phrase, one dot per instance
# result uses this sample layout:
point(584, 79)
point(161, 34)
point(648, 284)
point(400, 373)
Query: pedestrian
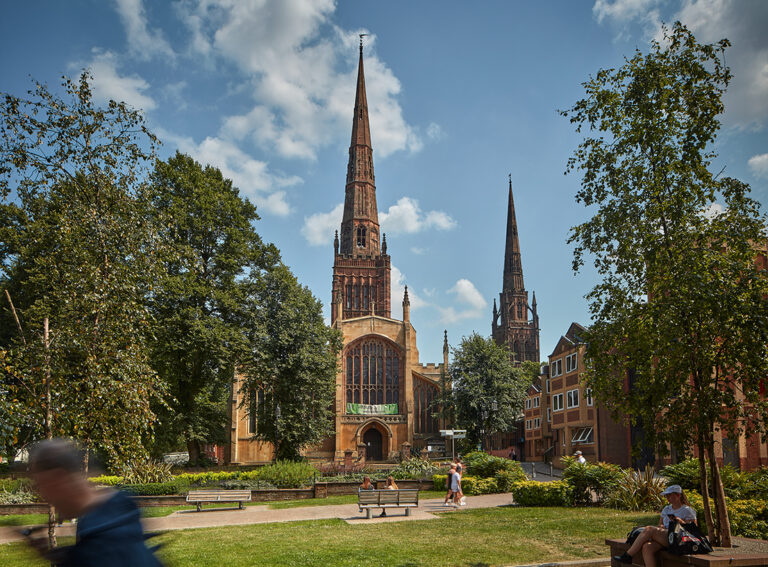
point(449, 484)
point(391, 485)
point(513, 454)
point(579, 457)
point(456, 488)
point(109, 532)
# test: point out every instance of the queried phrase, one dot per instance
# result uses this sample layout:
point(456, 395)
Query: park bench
point(720, 558)
point(200, 497)
point(405, 498)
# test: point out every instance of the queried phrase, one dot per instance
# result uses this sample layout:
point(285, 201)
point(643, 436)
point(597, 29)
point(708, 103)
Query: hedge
point(533, 493)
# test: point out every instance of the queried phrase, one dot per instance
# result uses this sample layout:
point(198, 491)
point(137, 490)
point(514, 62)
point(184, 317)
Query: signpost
point(453, 434)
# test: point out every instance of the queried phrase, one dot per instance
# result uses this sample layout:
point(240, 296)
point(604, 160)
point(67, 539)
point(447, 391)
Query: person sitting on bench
point(654, 538)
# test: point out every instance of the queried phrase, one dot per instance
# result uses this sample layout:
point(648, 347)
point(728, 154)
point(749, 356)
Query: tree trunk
point(48, 425)
point(723, 522)
point(193, 448)
point(704, 486)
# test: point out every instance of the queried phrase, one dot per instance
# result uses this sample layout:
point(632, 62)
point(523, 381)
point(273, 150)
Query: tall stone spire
point(513, 267)
point(361, 266)
point(360, 223)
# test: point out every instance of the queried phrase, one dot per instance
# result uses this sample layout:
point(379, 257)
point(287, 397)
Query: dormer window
point(361, 236)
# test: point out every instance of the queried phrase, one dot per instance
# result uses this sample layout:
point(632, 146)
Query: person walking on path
point(456, 488)
point(449, 484)
point(579, 457)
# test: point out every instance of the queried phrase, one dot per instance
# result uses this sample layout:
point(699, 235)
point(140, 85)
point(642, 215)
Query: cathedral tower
point(361, 266)
point(515, 323)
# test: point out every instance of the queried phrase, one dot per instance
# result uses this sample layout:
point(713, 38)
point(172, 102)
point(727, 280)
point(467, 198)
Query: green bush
point(533, 493)
point(106, 480)
point(287, 474)
point(438, 481)
point(471, 485)
point(147, 472)
point(16, 485)
point(481, 464)
point(505, 479)
point(585, 478)
point(415, 468)
point(20, 496)
point(152, 488)
point(755, 484)
point(749, 518)
point(209, 478)
point(735, 484)
point(637, 491)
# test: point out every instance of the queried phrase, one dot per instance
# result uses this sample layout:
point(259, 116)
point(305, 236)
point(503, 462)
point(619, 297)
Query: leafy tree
point(290, 378)
point(77, 252)
point(482, 373)
point(201, 303)
point(681, 304)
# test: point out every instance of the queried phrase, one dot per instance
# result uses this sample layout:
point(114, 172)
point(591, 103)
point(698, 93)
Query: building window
point(256, 410)
point(573, 398)
point(536, 401)
point(372, 372)
point(528, 424)
point(549, 415)
point(571, 362)
point(547, 383)
point(527, 403)
point(557, 367)
point(557, 402)
point(361, 236)
point(349, 297)
point(537, 423)
point(588, 396)
point(583, 435)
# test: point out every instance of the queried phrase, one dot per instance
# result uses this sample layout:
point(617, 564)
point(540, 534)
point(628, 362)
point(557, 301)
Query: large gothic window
point(361, 236)
point(424, 396)
point(372, 373)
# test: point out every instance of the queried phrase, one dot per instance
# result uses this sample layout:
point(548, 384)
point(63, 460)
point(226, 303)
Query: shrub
point(638, 491)
point(414, 468)
point(438, 481)
point(147, 472)
point(585, 478)
point(505, 479)
point(470, 485)
point(106, 480)
point(287, 474)
point(152, 488)
point(756, 484)
point(207, 478)
point(16, 485)
point(21, 496)
point(735, 484)
point(483, 486)
point(481, 464)
point(533, 493)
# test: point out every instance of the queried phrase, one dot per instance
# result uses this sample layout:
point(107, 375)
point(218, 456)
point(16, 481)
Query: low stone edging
point(319, 490)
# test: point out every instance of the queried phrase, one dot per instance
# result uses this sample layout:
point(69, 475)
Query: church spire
point(513, 267)
point(360, 223)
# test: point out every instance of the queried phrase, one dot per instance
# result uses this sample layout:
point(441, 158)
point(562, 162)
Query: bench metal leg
point(407, 511)
point(199, 506)
point(368, 513)
point(240, 505)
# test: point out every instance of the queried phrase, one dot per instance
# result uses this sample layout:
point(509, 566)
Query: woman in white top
point(654, 538)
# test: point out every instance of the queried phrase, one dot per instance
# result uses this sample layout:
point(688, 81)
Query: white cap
point(673, 489)
point(577, 453)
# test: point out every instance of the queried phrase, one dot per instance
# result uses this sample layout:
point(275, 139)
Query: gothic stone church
point(383, 392)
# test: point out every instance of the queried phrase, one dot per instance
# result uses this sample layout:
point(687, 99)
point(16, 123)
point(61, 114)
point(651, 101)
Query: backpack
point(687, 539)
point(633, 535)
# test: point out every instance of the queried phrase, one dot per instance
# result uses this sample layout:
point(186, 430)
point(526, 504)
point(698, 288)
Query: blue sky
point(461, 94)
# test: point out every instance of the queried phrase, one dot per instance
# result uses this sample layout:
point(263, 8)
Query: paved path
point(211, 518)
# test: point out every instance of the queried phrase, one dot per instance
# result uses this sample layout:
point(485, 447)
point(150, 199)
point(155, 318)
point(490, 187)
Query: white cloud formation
point(743, 23)
point(397, 285)
point(406, 217)
point(471, 301)
point(418, 251)
point(714, 210)
point(759, 165)
point(434, 131)
point(253, 177)
point(319, 228)
point(108, 84)
point(143, 42)
point(303, 84)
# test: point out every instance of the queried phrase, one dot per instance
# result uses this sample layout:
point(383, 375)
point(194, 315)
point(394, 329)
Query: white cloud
point(143, 42)
point(621, 11)
point(759, 165)
point(251, 176)
point(406, 217)
point(714, 210)
point(397, 284)
point(302, 83)
point(418, 251)
point(319, 228)
point(434, 131)
point(472, 303)
point(109, 85)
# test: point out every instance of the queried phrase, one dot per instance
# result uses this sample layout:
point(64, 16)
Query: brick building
point(384, 395)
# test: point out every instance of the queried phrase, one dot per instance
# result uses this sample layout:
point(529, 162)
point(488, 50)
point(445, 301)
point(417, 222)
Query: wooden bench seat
point(720, 558)
point(200, 497)
point(404, 498)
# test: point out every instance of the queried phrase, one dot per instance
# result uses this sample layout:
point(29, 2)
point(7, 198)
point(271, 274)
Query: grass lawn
point(483, 537)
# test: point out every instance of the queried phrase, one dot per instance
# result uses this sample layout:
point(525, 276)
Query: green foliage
point(755, 484)
point(16, 484)
point(533, 493)
point(637, 491)
point(415, 468)
point(438, 481)
point(21, 496)
point(144, 472)
point(506, 478)
point(287, 474)
point(483, 373)
point(586, 478)
point(481, 464)
point(201, 302)
point(290, 373)
point(749, 517)
point(736, 484)
point(78, 249)
point(152, 488)
point(106, 480)
point(209, 478)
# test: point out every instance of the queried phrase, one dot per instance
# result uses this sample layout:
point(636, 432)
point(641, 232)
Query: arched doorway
point(373, 444)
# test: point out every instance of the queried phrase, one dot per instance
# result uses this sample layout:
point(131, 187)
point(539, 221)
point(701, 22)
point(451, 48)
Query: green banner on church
point(372, 409)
